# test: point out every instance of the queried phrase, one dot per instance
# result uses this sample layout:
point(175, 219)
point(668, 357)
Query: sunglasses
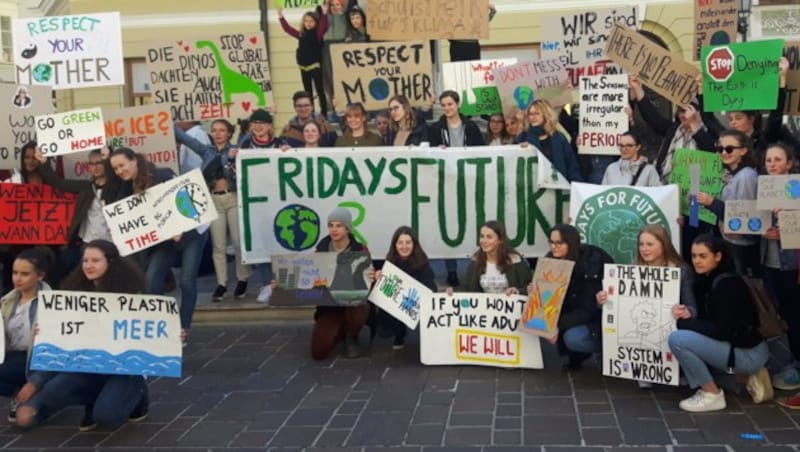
point(727, 149)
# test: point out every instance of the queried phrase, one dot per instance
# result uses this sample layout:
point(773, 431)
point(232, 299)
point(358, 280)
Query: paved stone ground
point(255, 388)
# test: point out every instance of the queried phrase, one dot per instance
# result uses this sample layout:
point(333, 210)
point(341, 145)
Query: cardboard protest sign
point(611, 216)
point(371, 73)
point(714, 23)
point(603, 117)
point(789, 223)
point(578, 38)
point(20, 105)
point(78, 51)
point(401, 20)
point(146, 129)
point(521, 83)
point(160, 213)
point(474, 82)
point(791, 50)
point(478, 329)
point(658, 69)
point(71, 132)
point(289, 4)
point(710, 178)
point(778, 192)
point(321, 279)
point(743, 217)
point(399, 295)
point(283, 202)
point(551, 281)
point(34, 214)
point(211, 77)
point(741, 76)
point(107, 333)
point(637, 321)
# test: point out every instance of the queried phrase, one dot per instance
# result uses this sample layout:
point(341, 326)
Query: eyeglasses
point(302, 105)
point(497, 121)
point(727, 149)
point(627, 146)
point(556, 242)
point(395, 108)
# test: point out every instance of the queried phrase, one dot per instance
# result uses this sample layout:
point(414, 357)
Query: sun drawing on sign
point(540, 313)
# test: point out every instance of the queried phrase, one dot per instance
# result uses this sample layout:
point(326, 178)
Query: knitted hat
point(343, 216)
point(261, 115)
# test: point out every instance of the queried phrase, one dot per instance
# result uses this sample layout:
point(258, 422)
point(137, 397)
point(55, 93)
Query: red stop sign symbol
point(719, 64)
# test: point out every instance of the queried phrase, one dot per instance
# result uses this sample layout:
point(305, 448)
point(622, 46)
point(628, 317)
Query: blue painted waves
point(51, 357)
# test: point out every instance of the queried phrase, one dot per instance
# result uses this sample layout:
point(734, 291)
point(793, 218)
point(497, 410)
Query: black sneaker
point(140, 412)
point(12, 411)
point(87, 423)
point(399, 343)
point(241, 289)
point(219, 292)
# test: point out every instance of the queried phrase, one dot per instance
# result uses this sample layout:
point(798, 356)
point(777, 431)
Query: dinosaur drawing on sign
point(232, 81)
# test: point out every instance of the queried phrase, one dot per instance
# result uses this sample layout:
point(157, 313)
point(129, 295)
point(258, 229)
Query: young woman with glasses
point(631, 168)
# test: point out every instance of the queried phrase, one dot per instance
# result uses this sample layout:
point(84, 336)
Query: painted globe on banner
point(297, 227)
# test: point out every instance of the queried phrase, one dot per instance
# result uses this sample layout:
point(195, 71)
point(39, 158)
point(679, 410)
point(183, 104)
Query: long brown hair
point(504, 251)
point(671, 255)
point(418, 256)
point(408, 117)
point(122, 275)
point(145, 171)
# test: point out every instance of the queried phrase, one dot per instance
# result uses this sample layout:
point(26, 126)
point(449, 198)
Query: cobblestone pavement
point(255, 388)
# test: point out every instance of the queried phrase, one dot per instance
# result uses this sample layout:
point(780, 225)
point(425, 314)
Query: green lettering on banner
point(351, 176)
point(401, 178)
point(287, 177)
point(247, 200)
point(537, 216)
point(416, 198)
point(375, 173)
point(333, 180)
point(480, 187)
point(461, 202)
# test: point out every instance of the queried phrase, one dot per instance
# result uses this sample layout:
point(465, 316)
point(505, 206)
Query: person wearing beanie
point(333, 324)
point(260, 133)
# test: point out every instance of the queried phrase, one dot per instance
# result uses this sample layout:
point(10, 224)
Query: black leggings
point(315, 76)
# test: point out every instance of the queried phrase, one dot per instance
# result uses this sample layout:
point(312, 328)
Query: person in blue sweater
point(540, 131)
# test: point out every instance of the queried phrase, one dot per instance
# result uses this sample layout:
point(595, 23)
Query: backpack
point(770, 323)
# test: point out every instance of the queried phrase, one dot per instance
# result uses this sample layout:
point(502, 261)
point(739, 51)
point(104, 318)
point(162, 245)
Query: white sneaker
point(759, 385)
point(703, 401)
point(264, 294)
point(787, 380)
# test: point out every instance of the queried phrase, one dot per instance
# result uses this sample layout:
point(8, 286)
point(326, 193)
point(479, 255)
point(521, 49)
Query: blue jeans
point(580, 339)
point(696, 352)
point(12, 372)
point(190, 251)
point(113, 397)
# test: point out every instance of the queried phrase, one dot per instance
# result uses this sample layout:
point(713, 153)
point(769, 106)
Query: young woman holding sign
point(496, 267)
point(137, 175)
point(541, 131)
point(655, 248)
point(407, 254)
point(741, 182)
point(110, 400)
point(723, 335)
point(578, 333)
point(780, 275)
point(19, 315)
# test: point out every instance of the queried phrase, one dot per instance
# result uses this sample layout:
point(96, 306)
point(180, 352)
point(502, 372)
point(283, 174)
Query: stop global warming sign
point(741, 76)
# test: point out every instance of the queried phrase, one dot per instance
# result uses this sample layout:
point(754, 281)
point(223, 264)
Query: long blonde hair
point(671, 255)
point(550, 122)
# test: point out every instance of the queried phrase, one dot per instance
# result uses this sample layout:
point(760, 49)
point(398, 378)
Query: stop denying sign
point(719, 64)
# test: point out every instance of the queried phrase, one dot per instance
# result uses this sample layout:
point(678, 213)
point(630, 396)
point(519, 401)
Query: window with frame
point(5, 40)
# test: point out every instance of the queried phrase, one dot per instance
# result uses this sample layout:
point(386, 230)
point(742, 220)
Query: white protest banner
point(146, 129)
point(107, 333)
point(399, 295)
point(789, 223)
point(637, 320)
point(78, 51)
point(547, 176)
point(284, 197)
point(70, 132)
point(160, 213)
point(603, 117)
point(611, 216)
point(474, 82)
point(321, 279)
point(211, 77)
point(579, 38)
point(374, 72)
point(20, 105)
point(551, 280)
point(521, 83)
point(476, 328)
point(743, 217)
point(778, 192)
